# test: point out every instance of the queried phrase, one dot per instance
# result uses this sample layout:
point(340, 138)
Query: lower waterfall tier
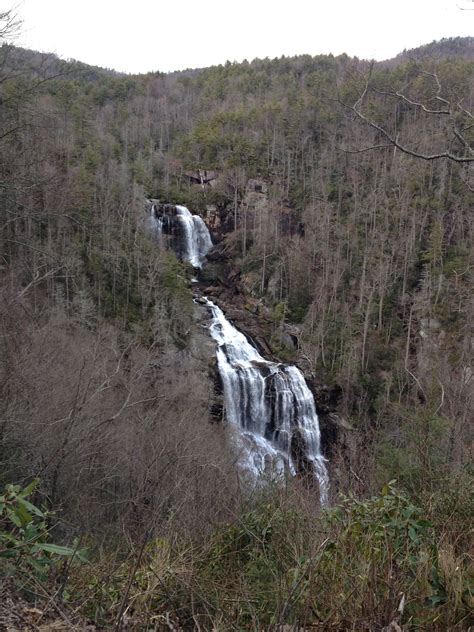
point(270, 406)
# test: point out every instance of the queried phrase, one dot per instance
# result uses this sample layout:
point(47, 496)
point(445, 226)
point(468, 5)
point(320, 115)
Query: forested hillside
point(339, 194)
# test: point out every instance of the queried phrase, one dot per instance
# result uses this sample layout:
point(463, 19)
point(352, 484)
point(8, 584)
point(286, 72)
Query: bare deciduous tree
point(10, 25)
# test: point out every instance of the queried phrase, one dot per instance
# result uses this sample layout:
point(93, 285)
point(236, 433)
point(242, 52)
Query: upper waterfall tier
point(190, 238)
point(271, 406)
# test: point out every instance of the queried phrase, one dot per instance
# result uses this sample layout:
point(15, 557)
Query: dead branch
point(356, 108)
point(37, 279)
point(406, 150)
point(403, 97)
point(360, 151)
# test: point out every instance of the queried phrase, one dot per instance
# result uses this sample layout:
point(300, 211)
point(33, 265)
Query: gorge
point(267, 403)
point(236, 347)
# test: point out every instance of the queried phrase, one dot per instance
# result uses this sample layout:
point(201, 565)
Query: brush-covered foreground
point(386, 562)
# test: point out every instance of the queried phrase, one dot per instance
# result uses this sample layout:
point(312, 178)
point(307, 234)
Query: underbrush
point(360, 565)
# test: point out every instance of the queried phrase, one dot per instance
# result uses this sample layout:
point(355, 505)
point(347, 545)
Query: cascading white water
point(270, 406)
point(155, 223)
point(203, 238)
point(197, 240)
point(190, 236)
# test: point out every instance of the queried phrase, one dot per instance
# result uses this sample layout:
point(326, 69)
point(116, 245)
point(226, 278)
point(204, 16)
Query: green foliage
point(434, 252)
point(385, 526)
point(360, 564)
point(298, 312)
point(24, 536)
point(386, 532)
point(278, 313)
point(176, 297)
point(419, 456)
point(99, 588)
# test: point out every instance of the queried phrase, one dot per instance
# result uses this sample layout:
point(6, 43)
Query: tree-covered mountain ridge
point(340, 201)
point(437, 49)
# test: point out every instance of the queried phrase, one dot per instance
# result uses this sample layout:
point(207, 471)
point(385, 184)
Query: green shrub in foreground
point(25, 550)
point(361, 564)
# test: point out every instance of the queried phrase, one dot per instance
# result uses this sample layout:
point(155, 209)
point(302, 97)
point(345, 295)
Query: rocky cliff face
point(203, 349)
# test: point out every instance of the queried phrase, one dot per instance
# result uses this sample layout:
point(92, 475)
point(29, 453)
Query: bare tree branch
point(10, 24)
point(356, 108)
point(411, 102)
point(37, 279)
point(462, 140)
point(361, 151)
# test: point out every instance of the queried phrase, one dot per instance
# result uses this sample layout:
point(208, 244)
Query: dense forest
point(339, 195)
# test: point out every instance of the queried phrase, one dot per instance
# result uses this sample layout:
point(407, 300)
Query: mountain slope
point(355, 255)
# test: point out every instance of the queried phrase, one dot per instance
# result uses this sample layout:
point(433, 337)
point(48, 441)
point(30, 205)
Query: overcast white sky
point(146, 35)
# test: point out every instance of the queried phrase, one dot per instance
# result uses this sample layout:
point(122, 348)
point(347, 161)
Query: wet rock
point(236, 314)
point(213, 290)
point(217, 409)
point(337, 435)
point(216, 254)
point(214, 274)
point(203, 349)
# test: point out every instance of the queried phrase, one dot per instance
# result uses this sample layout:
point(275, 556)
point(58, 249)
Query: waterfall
point(155, 223)
point(190, 238)
point(270, 406)
point(196, 236)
